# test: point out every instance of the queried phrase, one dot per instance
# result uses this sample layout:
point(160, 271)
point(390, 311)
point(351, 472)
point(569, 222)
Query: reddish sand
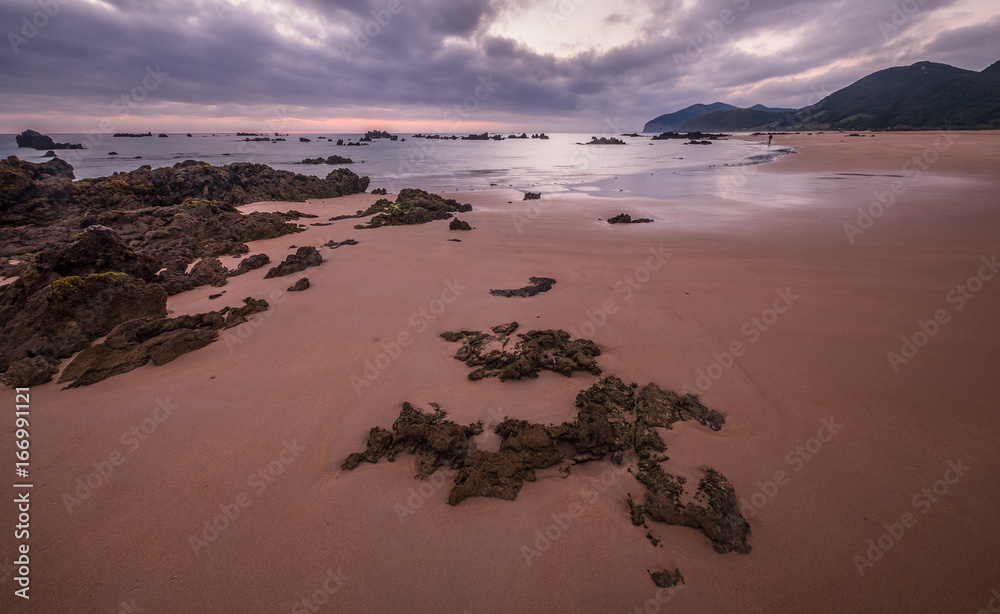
point(286, 377)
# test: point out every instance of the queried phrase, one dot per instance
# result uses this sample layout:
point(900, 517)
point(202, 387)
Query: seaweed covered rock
point(159, 340)
point(98, 249)
point(551, 350)
point(662, 408)
point(535, 286)
point(302, 259)
point(436, 440)
point(412, 206)
point(54, 319)
point(664, 578)
point(715, 509)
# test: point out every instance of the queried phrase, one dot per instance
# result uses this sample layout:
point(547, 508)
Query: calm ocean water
point(557, 164)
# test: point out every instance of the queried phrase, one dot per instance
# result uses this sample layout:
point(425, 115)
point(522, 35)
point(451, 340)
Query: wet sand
point(277, 396)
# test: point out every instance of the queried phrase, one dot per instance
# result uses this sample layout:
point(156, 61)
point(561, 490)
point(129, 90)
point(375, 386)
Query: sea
point(561, 163)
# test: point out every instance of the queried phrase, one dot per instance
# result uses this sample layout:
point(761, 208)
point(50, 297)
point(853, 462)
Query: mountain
point(925, 95)
point(734, 120)
point(760, 107)
point(668, 122)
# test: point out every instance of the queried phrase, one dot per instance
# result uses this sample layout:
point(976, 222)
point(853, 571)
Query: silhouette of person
point(769, 137)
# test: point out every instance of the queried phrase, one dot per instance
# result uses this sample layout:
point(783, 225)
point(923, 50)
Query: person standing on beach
point(769, 137)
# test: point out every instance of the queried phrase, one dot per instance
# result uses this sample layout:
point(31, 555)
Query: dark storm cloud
point(418, 58)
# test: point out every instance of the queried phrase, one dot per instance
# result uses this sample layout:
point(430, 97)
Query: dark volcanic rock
point(715, 510)
point(532, 196)
point(625, 218)
point(334, 244)
point(36, 140)
point(300, 285)
point(536, 285)
point(251, 263)
point(379, 191)
point(57, 319)
point(28, 372)
point(302, 259)
point(159, 340)
point(412, 206)
point(209, 272)
point(664, 578)
point(457, 224)
point(98, 249)
point(551, 350)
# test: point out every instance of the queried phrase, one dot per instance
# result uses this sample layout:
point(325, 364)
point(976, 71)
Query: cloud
point(413, 60)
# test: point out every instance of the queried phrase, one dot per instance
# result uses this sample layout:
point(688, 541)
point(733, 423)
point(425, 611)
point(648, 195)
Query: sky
point(455, 66)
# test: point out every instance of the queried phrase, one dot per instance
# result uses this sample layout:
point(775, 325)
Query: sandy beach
point(869, 481)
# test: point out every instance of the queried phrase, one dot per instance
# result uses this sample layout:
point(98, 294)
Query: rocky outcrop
point(625, 218)
point(134, 343)
point(532, 196)
point(251, 263)
point(328, 160)
point(535, 286)
point(32, 371)
point(55, 319)
point(412, 206)
point(35, 140)
point(606, 423)
point(457, 224)
point(302, 259)
point(605, 141)
point(497, 355)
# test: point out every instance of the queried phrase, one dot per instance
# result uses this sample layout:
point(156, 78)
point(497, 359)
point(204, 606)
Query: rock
point(98, 249)
point(532, 196)
point(35, 140)
point(300, 285)
point(302, 259)
point(159, 340)
point(32, 371)
point(55, 320)
point(215, 296)
point(379, 191)
point(251, 263)
point(667, 579)
point(625, 218)
point(49, 154)
point(605, 141)
point(536, 285)
point(209, 272)
point(303, 139)
point(550, 350)
point(334, 245)
point(412, 206)
point(457, 224)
